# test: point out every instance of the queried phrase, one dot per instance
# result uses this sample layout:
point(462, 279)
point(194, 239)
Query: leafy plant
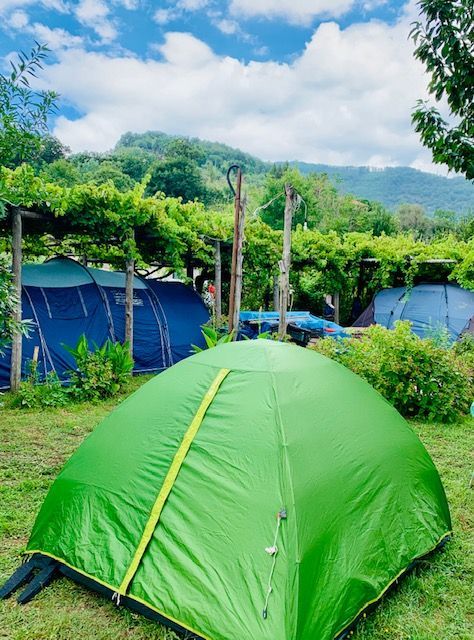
point(8, 326)
point(420, 378)
point(24, 112)
point(213, 338)
point(37, 394)
point(101, 372)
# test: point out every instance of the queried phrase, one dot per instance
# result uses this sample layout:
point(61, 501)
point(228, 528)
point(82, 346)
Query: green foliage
point(36, 394)
point(321, 206)
point(8, 326)
point(213, 338)
point(420, 378)
point(178, 178)
point(100, 373)
point(23, 112)
point(444, 39)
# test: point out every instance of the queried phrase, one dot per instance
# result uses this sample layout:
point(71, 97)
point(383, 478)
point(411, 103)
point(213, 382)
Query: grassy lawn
point(434, 603)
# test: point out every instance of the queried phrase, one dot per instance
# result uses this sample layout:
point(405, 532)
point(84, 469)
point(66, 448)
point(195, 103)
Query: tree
point(444, 41)
point(51, 149)
point(24, 112)
point(412, 217)
point(108, 170)
point(177, 178)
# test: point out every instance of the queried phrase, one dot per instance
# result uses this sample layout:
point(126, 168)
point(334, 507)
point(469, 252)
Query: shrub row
point(423, 379)
point(100, 373)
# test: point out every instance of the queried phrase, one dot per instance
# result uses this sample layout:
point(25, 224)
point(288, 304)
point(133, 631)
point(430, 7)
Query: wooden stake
point(239, 267)
point(218, 281)
point(15, 370)
point(129, 278)
point(276, 294)
point(285, 263)
point(235, 250)
point(337, 305)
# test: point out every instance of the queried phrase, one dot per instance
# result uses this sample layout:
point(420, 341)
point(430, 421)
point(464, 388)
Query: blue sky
point(318, 80)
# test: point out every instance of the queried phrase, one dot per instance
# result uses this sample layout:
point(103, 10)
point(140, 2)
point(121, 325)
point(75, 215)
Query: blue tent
point(64, 300)
point(428, 307)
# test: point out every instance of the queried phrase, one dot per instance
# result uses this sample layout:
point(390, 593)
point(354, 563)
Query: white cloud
point(95, 14)
point(56, 38)
point(10, 5)
point(346, 99)
point(229, 27)
point(298, 11)
point(18, 19)
point(163, 16)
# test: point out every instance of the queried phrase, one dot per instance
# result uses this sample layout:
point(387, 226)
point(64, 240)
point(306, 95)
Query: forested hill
point(390, 186)
point(398, 185)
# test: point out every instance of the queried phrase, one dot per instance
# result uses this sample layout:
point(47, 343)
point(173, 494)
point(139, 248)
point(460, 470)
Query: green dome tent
point(256, 491)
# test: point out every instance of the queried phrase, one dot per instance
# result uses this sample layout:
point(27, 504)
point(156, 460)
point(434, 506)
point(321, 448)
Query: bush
point(419, 377)
point(100, 373)
point(36, 394)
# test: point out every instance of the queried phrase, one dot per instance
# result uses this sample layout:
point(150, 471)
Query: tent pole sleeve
point(170, 479)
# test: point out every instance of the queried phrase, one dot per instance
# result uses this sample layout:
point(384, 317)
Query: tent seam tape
point(166, 616)
point(292, 490)
point(170, 479)
point(387, 587)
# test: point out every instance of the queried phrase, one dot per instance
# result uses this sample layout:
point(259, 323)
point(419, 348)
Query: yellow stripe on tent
point(171, 479)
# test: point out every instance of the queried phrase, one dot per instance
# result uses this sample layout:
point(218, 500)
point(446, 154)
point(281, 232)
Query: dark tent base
point(40, 570)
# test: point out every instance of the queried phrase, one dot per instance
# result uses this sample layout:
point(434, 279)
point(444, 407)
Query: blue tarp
point(254, 322)
point(429, 307)
point(64, 300)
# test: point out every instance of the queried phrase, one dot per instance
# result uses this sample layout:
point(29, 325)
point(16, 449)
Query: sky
point(326, 81)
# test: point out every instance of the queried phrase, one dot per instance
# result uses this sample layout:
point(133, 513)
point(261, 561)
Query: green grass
point(435, 602)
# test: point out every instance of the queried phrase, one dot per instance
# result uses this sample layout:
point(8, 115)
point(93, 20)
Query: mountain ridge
point(392, 186)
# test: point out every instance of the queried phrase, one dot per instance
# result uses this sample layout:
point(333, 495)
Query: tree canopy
point(444, 39)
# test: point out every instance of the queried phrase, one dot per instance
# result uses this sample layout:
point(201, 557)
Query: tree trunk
point(218, 282)
point(285, 263)
point(15, 371)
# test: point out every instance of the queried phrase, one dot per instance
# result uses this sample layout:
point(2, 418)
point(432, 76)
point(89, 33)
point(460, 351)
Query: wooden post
point(276, 294)
point(129, 278)
point(15, 370)
point(337, 304)
point(239, 267)
point(285, 263)
point(235, 250)
point(218, 281)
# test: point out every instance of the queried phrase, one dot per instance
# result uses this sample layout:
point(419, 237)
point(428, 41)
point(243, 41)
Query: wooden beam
point(285, 262)
point(15, 370)
point(218, 281)
point(235, 249)
point(129, 278)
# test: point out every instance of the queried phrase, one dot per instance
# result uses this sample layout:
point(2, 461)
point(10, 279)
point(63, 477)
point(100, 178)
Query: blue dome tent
point(428, 307)
point(64, 300)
